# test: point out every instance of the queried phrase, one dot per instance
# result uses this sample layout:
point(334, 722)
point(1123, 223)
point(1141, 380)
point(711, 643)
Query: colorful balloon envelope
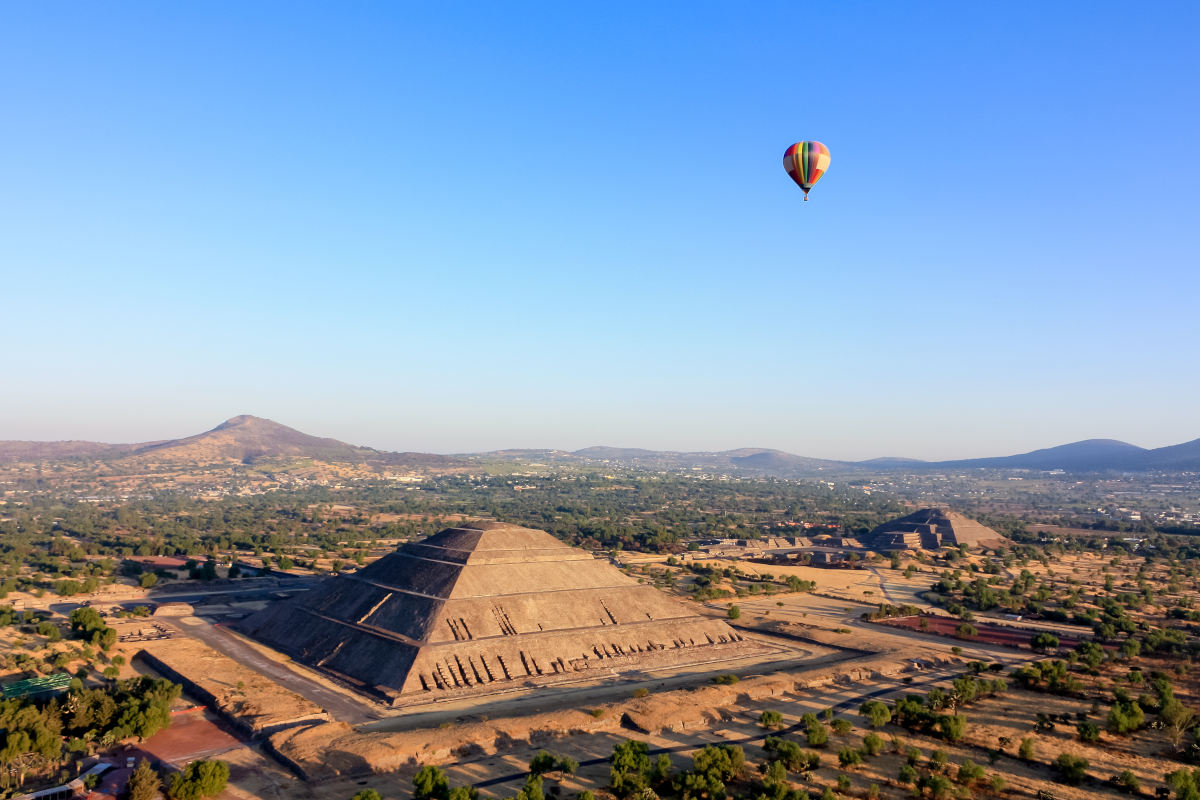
point(806, 162)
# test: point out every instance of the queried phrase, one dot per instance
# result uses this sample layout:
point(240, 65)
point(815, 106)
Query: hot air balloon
point(806, 162)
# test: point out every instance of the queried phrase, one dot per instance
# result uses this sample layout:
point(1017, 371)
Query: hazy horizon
point(454, 229)
point(401, 447)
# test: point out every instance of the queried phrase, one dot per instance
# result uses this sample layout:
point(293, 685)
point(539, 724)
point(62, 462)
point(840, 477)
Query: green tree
point(542, 763)
point(144, 783)
point(876, 713)
point(712, 767)
point(367, 794)
point(430, 783)
point(770, 719)
point(630, 767)
point(734, 612)
point(1044, 642)
point(199, 779)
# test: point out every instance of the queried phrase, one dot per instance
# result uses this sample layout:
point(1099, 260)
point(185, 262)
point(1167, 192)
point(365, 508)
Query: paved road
point(342, 707)
point(191, 595)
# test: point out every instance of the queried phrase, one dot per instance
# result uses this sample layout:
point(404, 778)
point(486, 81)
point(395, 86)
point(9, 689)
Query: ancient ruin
point(929, 529)
point(482, 607)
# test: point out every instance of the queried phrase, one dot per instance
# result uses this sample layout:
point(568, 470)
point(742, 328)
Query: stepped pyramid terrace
point(485, 607)
point(929, 529)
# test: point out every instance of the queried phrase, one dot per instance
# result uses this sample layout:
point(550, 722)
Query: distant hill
point(253, 440)
point(244, 439)
point(1091, 455)
point(622, 453)
point(1183, 457)
point(779, 462)
point(53, 451)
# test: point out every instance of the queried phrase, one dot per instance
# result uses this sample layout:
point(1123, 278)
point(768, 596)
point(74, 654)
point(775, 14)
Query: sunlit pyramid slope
point(485, 604)
point(929, 529)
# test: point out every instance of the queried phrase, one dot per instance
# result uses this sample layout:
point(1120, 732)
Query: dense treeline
point(639, 511)
point(40, 735)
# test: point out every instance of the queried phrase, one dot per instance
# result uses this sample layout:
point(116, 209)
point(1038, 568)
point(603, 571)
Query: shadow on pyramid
point(931, 528)
point(484, 608)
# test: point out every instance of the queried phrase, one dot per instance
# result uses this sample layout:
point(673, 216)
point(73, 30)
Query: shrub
point(1088, 731)
point(849, 757)
point(1129, 782)
point(1125, 716)
point(952, 727)
point(841, 726)
point(872, 744)
point(734, 612)
point(1027, 749)
point(770, 719)
point(969, 772)
point(1071, 769)
point(817, 735)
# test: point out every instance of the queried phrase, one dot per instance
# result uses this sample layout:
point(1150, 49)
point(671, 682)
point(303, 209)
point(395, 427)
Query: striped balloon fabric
point(806, 162)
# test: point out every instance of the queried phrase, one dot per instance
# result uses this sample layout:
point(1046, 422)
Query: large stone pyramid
point(929, 529)
point(485, 604)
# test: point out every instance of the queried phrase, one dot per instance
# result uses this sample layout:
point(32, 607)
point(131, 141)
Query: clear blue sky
point(464, 226)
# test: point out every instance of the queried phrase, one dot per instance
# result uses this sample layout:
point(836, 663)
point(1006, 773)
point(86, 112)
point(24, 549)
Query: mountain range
point(1091, 455)
point(244, 439)
point(253, 440)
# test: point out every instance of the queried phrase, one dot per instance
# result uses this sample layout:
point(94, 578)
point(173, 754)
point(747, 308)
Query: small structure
point(38, 687)
point(174, 609)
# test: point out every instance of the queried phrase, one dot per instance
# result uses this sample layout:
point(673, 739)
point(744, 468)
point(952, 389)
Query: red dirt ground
point(988, 633)
point(192, 734)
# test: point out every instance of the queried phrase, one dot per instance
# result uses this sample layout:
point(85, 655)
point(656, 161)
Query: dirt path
point(341, 707)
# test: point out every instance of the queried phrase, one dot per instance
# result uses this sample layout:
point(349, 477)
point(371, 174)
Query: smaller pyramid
point(929, 529)
point(483, 606)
